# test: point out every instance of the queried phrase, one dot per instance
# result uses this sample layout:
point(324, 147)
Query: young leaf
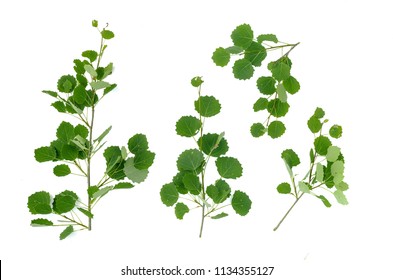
point(257, 130)
point(319, 113)
point(319, 173)
point(207, 106)
point(243, 69)
point(85, 212)
point(89, 69)
point(41, 223)
point(68, 230)
point(304, 187)
point(44, 154)
point(169, 194)
point(229, 167)
point(99, 85)
point(64, 202)
point(51, 93)
point(241, 203)
point(282, 94)
point(340, 197)
point(266, 85)
point(107, 34)
point(324, 200)
point(190, 160)
point(276, 129)
point(61, 170)
point(138, 143)
point(221, 57)
point(123, 185)
point(284, 188)
point(314, 124)
point(65, 132)
point(180, 210)
point(242, 36)
point(109, 88)
point(333, 153)
point(267, 37)
point(94, 23)
point(66, 84)
point(219, 216)
point(234, 50)
point(39, 203)
point(134, 174)
point(91, 55)
point(188, 126)
point(101, 192)
point(291, 158)
point(103, 135)
point(196, 81)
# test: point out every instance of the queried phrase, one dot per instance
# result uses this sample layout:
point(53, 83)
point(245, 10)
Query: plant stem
point(286, 214)
point(203, 169)
point(89, 162)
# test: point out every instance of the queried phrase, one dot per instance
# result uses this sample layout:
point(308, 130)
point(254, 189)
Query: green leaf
point(39, 203)
point(284, 188)
point(87, 213)
point(144, 159)
point(291, 85)
point(196, 81)
point(107, 34)
point(280, 70)
point(267, 37)
point(80, 94)
point(221, 57)
point(103, 135)
point(319, 173)
point(321, 144)
point(69, 152)
point(188, 126)
point(91, 55)
point(277, 108)
point(124, 152)
point(340, 197)
point(189, 160)
point(180, 210)
point(242, 69)
point(123, 185)
point(138, 143)
point(99, 85)
point(241, 203)
point(44, 154)
point(89, 69)
point(59, 106)
point(81, 130)
point(319, 113)
point(314, 124)
point(255, 53)
point(92, 190)
point(169, 194)
point(94, 23)
point(212, 145)
point(336, 131)
point(219, 192)
point(64, 202)
point(242, 36)
point(102, 192)
point(207, 106)
point(178, 181)
point(61, 170)
point(134, 174)
point(304, 187)
point(229, 167)
point(260, 104)
point(68, 230)
point(257, 130)
point(324, 200)
point(41, 223)
point(110, 88)
point(282, 94)
point(333, 153)
point(108, 70)
point(65, 132)
point(276, 129)
point(342, 186)
point(234, 50)
point(337, 168)
point(79, 67)
point(51, 93)
point(66, 84)
point(219, 216)
point(266, 85)
point(290, 158)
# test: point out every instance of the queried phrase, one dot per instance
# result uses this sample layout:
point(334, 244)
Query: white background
point(344, 64)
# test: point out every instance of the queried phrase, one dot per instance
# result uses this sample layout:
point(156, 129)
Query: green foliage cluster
point(73, 149)
point(326, 169)
point(250, 52)
point(189, 184)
